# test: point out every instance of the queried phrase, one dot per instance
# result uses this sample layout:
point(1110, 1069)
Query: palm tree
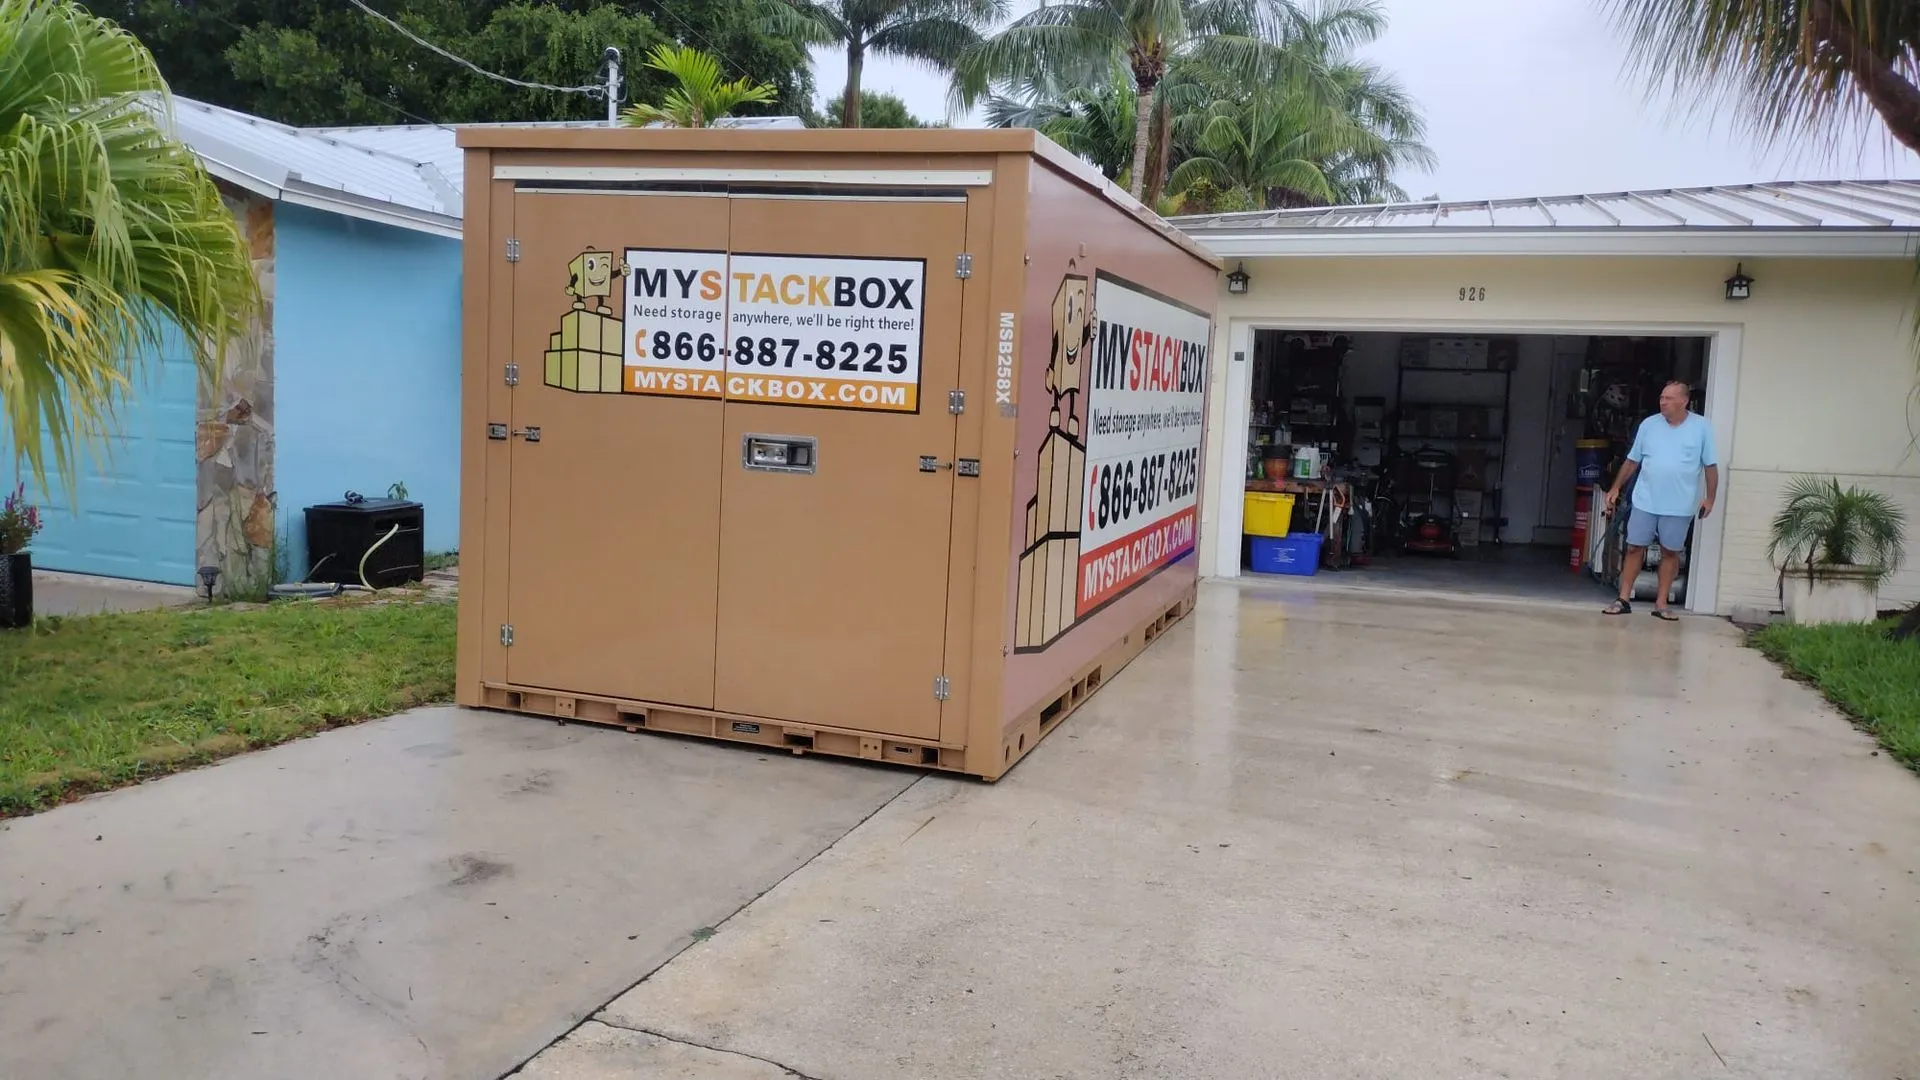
point(1333, 141)
point(1396, 140)
point(1792, 67)
point(111, 233)
point(702, 94)
point(1259, 145)
point(1151, 38)
point(1092, 118)
point(1097, 123)
point(935, 32)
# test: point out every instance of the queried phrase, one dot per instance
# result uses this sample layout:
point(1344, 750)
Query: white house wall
point(1820, 364)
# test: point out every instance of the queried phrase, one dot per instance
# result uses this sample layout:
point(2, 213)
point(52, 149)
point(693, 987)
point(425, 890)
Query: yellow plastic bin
point(1268, 513)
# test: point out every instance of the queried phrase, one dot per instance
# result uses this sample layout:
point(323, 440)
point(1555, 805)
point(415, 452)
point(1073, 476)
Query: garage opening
point(1449, 462)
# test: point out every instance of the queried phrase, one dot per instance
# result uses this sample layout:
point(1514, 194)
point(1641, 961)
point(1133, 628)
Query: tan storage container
point(879, 444)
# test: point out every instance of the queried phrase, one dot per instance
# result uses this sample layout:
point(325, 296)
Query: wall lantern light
point(1739, 286)
point(1238, 281)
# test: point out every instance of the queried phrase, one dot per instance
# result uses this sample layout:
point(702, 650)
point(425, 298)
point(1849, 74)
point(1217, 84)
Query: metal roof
point(1799, 217)
point(409, 176)
point(319, 169)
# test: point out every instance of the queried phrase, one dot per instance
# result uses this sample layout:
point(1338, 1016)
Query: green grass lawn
point(96, 702)
point(1872, 679)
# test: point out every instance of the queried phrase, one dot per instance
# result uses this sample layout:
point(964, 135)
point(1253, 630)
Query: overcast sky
point(1522, 98)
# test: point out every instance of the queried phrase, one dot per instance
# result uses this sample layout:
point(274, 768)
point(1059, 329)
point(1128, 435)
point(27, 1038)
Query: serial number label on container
point(830, 332)
point(1146, 404)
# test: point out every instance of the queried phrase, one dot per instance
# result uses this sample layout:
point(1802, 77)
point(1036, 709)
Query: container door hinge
point(963, 266)
point(513, 249)
point(513, 373)
point(506, 633)
point(956, 401)
point(941, 688)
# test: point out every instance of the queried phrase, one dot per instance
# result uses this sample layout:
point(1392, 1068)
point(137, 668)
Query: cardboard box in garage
point(899, 460)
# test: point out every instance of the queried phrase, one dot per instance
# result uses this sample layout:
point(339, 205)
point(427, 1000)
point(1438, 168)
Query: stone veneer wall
point(233, 441)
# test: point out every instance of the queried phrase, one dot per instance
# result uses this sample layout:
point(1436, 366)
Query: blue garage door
point(134, 512)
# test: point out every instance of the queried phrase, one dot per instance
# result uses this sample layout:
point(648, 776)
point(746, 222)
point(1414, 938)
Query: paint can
point(1589, 461)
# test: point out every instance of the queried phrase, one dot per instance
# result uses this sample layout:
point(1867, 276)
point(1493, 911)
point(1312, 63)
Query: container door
point(615, 504)
point(836, 508)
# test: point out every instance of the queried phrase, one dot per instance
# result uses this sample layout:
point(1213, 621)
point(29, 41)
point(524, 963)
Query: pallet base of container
point(1025, 732)
point(987, 763)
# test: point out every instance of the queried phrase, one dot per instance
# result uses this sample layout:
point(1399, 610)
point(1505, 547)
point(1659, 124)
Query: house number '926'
point(1473, 294)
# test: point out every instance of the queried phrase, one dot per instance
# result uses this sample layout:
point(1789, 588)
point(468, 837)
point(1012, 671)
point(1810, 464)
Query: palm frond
point(701, 93)
point(1821, 523)
point(112, 236)
point(939, 40)
point(1789, 69)
point(801, 20)
point(1071, 36)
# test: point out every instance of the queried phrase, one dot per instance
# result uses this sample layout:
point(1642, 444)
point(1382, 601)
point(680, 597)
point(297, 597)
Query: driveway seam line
point(594, 1013)
point(788, 1069)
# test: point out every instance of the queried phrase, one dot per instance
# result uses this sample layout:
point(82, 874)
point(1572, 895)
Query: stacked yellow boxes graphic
point(1047, 595)
point(1050, 568)
point(586, 354)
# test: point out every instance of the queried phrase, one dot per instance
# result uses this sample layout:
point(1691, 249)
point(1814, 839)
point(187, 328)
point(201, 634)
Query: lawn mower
point(1422, 527)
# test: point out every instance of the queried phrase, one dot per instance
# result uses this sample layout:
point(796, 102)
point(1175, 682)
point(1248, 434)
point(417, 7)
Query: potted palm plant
point(1834, 546)
point(19, 520)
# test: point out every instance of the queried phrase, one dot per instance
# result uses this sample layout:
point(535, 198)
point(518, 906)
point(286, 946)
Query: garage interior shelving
point(1507, 412)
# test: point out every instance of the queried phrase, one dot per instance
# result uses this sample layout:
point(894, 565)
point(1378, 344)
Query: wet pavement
point(1315, 835)
point(435, 895)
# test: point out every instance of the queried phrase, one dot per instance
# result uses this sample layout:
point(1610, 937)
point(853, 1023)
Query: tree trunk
point(850, 107)
point(1142, 123)
point(1162, 153)
point(1895, 98)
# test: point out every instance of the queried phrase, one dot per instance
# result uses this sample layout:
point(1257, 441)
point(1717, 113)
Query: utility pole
point(613, 86)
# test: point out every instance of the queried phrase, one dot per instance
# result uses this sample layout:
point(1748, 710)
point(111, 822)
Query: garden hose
point(376, 547)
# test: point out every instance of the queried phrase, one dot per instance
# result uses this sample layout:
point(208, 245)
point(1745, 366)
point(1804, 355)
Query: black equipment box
point(340, 534)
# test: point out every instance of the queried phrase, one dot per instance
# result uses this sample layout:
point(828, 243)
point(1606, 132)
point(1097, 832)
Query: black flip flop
point(1665, 615)
point(1618, 607)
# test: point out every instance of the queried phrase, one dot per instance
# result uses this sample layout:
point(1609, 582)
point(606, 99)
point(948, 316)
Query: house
point(1515, 341)
point(1512, 339)
point(350, 379)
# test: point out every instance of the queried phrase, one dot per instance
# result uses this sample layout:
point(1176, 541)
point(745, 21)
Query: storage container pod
point(884, 444)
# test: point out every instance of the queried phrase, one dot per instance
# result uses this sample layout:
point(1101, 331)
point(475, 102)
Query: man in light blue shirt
point(1671, 452)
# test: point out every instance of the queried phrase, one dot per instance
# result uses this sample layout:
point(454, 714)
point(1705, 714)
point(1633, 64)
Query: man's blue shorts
point(1642, 527)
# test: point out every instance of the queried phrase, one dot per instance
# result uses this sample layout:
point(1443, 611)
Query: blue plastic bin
point(1298, 554)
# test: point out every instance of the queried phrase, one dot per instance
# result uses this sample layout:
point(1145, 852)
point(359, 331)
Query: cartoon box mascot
point(1050, 562)
point(585, 356)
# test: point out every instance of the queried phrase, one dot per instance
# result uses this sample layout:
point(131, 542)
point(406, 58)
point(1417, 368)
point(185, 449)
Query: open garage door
point(1452, 461)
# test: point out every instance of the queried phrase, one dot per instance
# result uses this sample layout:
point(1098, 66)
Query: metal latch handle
point(500, 433)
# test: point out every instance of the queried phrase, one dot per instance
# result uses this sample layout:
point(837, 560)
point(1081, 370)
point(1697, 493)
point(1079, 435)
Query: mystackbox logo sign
point(820, 331)
point(1146, 408)
point(1117, 472)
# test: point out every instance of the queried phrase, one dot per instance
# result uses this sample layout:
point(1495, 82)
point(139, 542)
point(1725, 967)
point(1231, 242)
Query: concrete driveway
point(435, 895)
point(1313, 836)
point(56, 593)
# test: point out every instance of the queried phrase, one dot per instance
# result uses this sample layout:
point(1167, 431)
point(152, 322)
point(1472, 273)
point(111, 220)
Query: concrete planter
point(1830, 594)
